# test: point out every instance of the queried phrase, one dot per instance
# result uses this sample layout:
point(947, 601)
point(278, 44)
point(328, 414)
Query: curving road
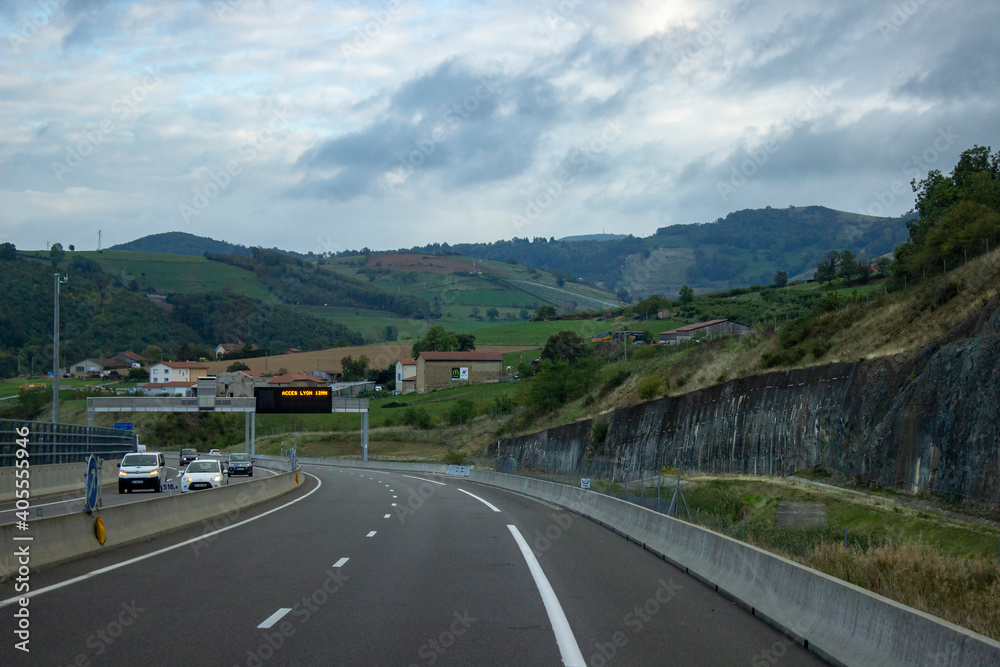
point(371, 568)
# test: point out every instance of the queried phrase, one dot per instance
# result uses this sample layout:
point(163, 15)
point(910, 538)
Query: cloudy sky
point(323, 126)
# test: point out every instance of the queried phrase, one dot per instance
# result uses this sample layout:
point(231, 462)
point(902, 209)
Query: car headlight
point(189, 479)
point(122, 473)
point(217, 478)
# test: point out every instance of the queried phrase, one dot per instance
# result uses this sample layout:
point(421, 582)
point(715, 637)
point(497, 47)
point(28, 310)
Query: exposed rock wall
point(930, 420)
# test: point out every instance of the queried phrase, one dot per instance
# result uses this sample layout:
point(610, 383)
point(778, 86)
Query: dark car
point(240, 464)
point(188, 455)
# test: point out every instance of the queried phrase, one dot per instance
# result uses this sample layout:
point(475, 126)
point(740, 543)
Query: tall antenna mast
point(98, 240)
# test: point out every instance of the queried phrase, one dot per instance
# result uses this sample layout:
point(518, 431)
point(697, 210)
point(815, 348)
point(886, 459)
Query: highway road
point(372, 568)
point(67, 503)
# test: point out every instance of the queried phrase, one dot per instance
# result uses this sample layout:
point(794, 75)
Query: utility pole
point(58, 280)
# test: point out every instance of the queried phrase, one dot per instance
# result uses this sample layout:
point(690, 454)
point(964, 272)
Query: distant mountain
point(182, 243)
point(593, 237)
point(745, 248)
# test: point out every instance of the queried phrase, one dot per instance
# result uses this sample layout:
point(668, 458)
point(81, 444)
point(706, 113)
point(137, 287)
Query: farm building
point(406, 375)
point(438, 370)
point(709, 329)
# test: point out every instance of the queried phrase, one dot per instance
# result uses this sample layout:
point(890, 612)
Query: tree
point(354, 370)
point(153, 354)
point(72, 248)
point(545, 313)
point(137, 375)
point(237, 366)
point(848, 269)
point(493, 314)
point(524, 314)
point(437, 339)
point(466, 342)
point(8, 252)
point(884, 264)
point(566, 346)
point(475, 312)
point(780, 278)
point(191, 352)
point(686, 295)
point(56, 255)
point(391, 333)
point(648, 306)
point(622, 295)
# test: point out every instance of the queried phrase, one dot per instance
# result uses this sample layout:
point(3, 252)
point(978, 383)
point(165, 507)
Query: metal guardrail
point(168, 404)
point(50, 443)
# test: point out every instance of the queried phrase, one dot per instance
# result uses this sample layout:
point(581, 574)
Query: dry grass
point(963, 591)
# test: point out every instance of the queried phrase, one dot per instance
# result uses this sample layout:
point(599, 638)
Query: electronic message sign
point(293, 400)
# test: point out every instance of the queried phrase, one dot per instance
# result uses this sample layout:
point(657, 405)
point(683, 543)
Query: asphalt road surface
point(370, 568)
point(67, 503)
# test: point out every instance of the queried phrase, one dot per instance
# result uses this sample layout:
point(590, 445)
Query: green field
point(166, 274)
point(437, 404)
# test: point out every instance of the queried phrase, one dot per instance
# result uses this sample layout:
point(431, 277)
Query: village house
point(406, 375)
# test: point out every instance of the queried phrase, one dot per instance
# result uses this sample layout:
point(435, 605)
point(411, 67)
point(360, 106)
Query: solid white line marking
point(426, 480)
point(110, 568)
point(340, 563)
point(488, 504)
point(275, 617)
point(387, 516)
point(568, 648)
point(371, 534)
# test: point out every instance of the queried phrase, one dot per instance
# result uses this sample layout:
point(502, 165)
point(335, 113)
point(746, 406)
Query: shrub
point(650, 387)
point(599, 430)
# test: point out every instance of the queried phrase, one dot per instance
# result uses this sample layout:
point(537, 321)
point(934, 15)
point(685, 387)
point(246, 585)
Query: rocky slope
point(929, 420)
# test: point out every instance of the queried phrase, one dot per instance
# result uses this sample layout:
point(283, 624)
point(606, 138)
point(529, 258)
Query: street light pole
point(58, 280)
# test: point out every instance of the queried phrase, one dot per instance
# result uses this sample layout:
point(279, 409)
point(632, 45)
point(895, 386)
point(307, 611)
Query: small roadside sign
point(584, 482)
point(125, 426)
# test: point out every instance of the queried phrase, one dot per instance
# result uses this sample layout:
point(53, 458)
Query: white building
point(406, 375)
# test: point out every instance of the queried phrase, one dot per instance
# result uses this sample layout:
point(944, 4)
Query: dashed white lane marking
point(340, 563)
point(394, 504)
point(109, 568)
point(389, 489)
point(387, 516)
point(568, 648)
point(371, 534)
point(488, 504)
point(55, 502)
point(275, 617)
point(426, 480)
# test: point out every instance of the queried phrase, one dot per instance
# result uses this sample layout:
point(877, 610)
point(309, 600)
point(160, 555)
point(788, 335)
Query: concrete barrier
point(45, 480)
point(66, 537)
point(842, 623)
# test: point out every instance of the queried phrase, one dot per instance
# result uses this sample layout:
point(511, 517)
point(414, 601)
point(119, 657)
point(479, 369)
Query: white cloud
point(701, 86)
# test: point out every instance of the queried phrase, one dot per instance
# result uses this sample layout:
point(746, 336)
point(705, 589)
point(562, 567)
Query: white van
point(142, 470)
